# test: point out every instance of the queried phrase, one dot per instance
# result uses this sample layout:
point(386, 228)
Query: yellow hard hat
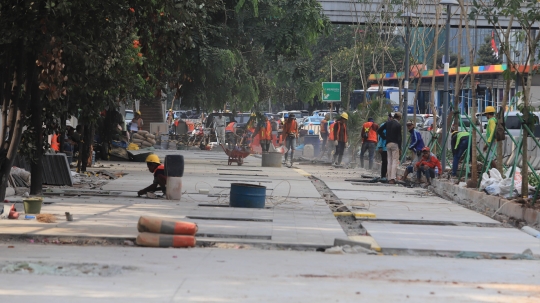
point(490, 110)
point(345, 116)
point(138, 112)
point(170, 109)
point(253, 115)
point(153, 158)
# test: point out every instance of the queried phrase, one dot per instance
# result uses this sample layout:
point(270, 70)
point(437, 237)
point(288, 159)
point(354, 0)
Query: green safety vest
point(488, 131)
point(459, 136)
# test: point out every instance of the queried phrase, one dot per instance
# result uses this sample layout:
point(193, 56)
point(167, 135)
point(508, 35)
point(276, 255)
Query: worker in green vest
point(490, 133)
point(459, 144)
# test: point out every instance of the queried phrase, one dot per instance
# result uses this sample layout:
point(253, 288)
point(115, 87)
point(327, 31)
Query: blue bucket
point(247, 195)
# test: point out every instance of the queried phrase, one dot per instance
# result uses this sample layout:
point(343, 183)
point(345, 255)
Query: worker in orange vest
point(324, 134)
point(369, 141)
point(265, 134)
point(330, 142)
point(289, 135)
point(230, 134)
point(340, 138)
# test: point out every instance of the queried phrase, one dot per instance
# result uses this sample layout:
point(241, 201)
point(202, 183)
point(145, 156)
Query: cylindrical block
point(157, 225)
point(531, 231)
point(159, 240)
point(315, 141)
point(247, 195)
point(271, 159)
point(174, 188)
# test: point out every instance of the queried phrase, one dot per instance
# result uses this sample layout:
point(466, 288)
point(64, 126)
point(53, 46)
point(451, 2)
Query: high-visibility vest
point(265, 132)
point(344, 139)
point(372, 135)
point(331, 131)
point(230, 127)
point(54, 142)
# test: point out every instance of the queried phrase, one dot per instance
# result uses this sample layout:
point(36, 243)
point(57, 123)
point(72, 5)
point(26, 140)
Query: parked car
point(242, 119)
point(128, 117)
point(419, 120)
point(313, 120)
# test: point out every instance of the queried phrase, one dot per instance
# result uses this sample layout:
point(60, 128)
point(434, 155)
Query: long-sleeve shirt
point(393, 132)
point(456, 139)
point(491, 126)
point(417, 143)
point(430, 162)
point(381, 143)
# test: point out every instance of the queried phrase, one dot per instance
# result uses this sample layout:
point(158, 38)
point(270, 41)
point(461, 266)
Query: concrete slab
point(421, 211)
point(244, 275)
point(451, 238)
point(388, 196)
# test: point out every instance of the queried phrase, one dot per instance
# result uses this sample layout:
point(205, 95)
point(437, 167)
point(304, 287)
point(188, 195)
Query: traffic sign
point(331, 92)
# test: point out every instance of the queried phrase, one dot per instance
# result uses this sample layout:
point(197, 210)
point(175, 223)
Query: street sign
point(331, 92)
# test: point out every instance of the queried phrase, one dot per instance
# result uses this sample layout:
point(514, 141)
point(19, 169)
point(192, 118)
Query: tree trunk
point(36, 108)
point(24, 61)
point(474, 171)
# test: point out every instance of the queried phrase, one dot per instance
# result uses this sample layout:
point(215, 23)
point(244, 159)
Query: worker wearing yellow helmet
point(340, 137)
point(160, 180)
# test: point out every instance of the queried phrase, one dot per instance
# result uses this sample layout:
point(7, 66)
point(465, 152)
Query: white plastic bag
point(504, 188)
point(493, 189)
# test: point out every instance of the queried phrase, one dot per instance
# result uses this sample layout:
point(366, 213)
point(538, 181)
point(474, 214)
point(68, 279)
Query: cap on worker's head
point(138, 112)
point(286, 115)
point(345, 116)
point(311, 132)
point(170, 109)
point(253, 115)
point(490, 110)
point(426, 149)
point(397, 115)
point(153, 158)
point(369, 119)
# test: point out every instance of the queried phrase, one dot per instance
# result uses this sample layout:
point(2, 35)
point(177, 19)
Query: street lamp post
point(448, 4)
point(407, 17)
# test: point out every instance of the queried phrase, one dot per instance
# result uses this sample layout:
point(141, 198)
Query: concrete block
point(366, 239)
point(341, 242)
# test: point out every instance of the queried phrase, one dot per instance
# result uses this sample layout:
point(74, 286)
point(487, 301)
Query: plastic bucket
point(32, 205)
point(315, 141)
point(271, 159)
point(247, 195)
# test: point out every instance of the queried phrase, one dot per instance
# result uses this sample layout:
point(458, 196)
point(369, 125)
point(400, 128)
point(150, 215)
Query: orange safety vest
point(54, 142)
point(331, 131)
point(344, 139)
point(230, 127)
point(372, 134)
point(265, 132)
point(289, 128)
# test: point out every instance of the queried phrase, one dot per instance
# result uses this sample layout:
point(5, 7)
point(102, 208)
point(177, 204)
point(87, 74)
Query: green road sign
point(331, 92)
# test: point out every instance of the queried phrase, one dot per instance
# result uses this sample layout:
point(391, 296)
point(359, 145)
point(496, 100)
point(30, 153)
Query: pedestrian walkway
point(416, 219)
point(294, 213)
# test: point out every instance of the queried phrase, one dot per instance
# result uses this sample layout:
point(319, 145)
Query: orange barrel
point(190, 126)
point(157, 225)
point(159, 240)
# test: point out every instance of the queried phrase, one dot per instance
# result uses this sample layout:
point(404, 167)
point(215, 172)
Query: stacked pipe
point(144, 139)
point(155, 232)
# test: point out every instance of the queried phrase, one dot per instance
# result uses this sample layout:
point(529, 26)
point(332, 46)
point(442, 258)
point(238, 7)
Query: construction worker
point(323, 131)
point(289, 136)
point(490, 134)
point(170, 117)
point(415, 146)
point(381, 148)
point(230, 134)
point(459, 144)
point(158, 169)
point(340, 138)
point(426, 165)
point(393, 144)
point(219, 126)
point(136, 124)
point(369, 141)
point(265, 134)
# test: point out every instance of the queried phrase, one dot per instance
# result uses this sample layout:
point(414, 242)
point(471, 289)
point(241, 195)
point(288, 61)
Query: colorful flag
point(494, 46)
